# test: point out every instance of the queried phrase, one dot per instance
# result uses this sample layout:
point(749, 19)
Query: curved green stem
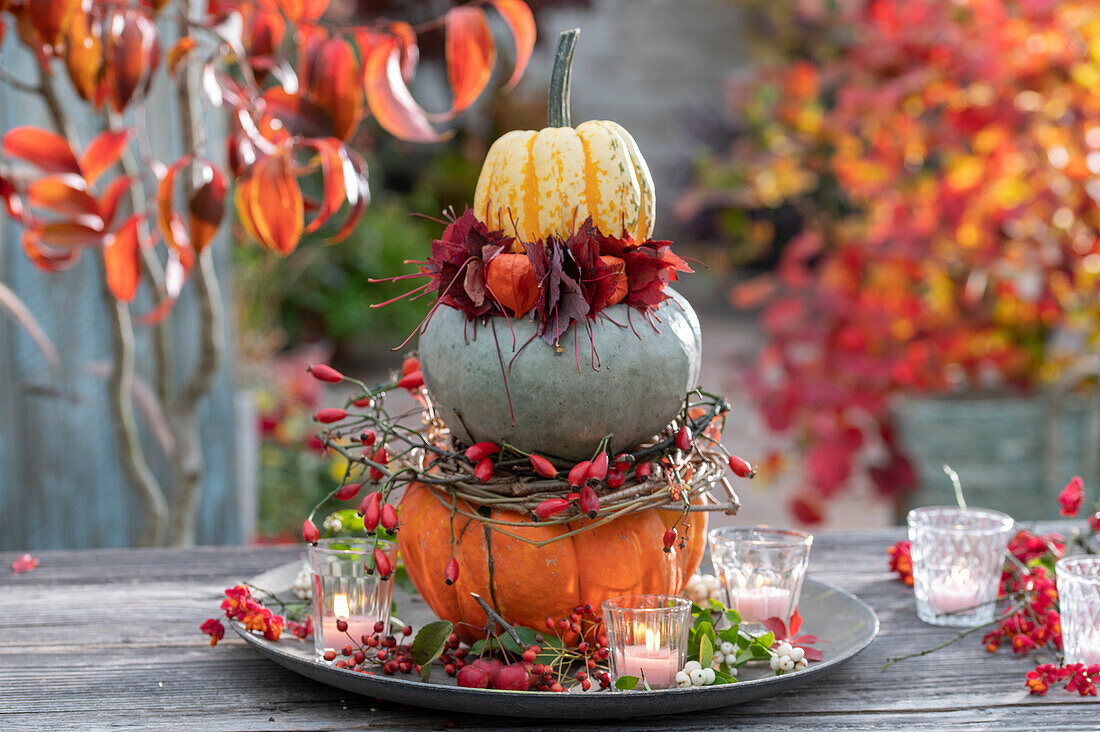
point(557, 107)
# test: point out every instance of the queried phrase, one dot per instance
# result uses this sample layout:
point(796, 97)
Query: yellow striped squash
point(539, 184)
point(546, 183)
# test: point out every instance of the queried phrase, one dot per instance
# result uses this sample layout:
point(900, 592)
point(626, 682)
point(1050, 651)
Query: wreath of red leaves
point(577, 278)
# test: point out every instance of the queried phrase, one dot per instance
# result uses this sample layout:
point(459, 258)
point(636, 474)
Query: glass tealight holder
point(344, 589)
point(1079, 603)
point(761, 570)
point(958, 555)
point(648, 637)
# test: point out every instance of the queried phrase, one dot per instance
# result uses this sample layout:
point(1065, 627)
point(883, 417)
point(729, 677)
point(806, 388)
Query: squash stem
point(557, 107)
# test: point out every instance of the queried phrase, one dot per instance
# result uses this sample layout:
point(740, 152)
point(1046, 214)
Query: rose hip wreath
point(673, 471)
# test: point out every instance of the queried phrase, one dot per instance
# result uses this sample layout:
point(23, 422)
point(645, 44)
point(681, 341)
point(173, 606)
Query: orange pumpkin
point(524, 583)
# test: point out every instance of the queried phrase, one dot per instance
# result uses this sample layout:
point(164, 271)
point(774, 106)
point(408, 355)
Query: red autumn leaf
point(334, 85)
point(25, 563)
point(122, 258)
point(45, 257)
point(752, 293)
point(51, 17)
point(410, 51)
point(390, 100)
point(807, 508)
point(132, 55)
point(108, 202)
point(275, 205)
point(294, 114)
point(12, 203)
point(264, 31)
point(179, 51)
point(521, 22)
point(332, 159)
point(63, 194)
point(622, 283)
point(207, 205)
point(784, 316)
point(300, 11)
point(171, 223)
point(342, 182)
point(356, 190)
point(471, 54)
point(103, 152)
point(47, 150)
point(829, 463)
point(69, 234)
point(512, 281)
point(84, 54)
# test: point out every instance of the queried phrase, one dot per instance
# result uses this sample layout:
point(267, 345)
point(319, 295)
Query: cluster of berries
point(693, 674)
point(788, 658)
point(374, 651)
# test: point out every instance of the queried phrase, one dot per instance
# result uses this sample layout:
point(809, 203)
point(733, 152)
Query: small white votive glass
point(761, 570)
point(958, 557)
point(647, 636)
point(346, 588)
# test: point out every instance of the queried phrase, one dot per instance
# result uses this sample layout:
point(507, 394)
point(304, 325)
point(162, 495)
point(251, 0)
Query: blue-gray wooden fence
point(61, 484)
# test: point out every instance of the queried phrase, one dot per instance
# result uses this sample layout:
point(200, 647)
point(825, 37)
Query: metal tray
point(846, 622)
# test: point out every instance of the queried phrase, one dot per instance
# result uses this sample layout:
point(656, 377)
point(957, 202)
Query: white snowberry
point(774, 663)
point(726, 648)
point(698, 677)
point(683, 681)
point(784, 649)
point(702, 587)
point(333, 524)
point(708, 675)
point(692, 666)
point(797, 654)
point(303, 583)
point(801, 664)
point(786, 664)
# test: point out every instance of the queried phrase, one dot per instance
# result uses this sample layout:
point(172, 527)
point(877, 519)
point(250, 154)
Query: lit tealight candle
point(958, 592)
point(650, 661)
point(757, 604)
point(358, 625)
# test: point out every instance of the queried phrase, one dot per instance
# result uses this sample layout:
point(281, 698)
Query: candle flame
point(960, 576)
point(652, 641)
point(340, 606)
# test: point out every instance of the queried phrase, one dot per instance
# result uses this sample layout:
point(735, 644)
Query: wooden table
point(100, 639)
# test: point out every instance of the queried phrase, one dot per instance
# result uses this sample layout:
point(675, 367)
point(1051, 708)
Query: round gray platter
point(843, 620)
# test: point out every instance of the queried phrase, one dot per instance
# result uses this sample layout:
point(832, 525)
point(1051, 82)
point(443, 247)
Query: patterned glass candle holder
point(346, 588)
point(1079, 603)
point(761, 570)
point(647, 636)
point(958, 555)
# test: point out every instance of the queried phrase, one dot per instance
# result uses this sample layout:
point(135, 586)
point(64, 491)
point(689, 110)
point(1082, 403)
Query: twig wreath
point(678, 469)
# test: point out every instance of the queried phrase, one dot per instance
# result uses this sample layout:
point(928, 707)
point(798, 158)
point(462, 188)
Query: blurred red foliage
point(943, 160)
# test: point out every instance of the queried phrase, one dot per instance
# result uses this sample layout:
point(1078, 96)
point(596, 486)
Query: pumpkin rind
point(539, 184)
point(561, 410)
point(529, 583)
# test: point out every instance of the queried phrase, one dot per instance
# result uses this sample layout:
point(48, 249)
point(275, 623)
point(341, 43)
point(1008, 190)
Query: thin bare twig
point(133, 460)
point(189, 465)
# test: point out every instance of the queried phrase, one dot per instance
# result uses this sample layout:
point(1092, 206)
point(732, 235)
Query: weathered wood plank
point(110, 639)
